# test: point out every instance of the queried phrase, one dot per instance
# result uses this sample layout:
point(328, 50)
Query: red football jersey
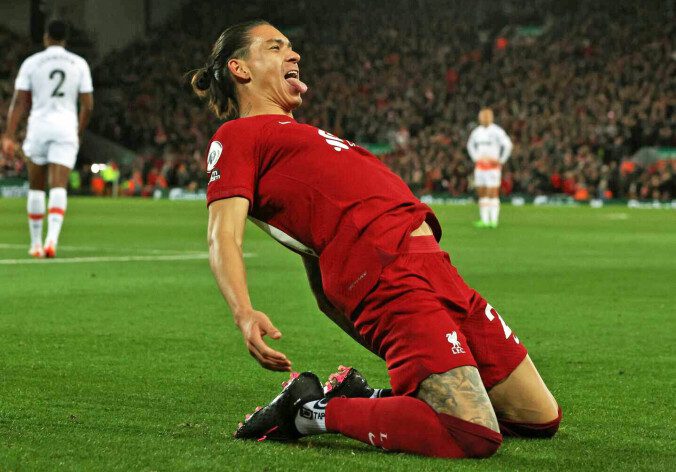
point(317, 194)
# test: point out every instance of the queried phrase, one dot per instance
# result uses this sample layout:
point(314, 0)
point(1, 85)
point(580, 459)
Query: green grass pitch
point(131, 361)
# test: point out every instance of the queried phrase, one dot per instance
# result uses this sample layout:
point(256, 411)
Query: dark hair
point(57, 30)
point(214, 81)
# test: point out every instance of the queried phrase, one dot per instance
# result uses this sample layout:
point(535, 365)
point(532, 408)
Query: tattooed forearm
point(460, 393)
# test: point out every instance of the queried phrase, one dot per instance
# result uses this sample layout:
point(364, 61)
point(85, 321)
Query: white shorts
point(487, 178)
point(46, 145)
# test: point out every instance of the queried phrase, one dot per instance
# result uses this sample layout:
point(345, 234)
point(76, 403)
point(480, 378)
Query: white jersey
point(55, 77)
point(489, 143)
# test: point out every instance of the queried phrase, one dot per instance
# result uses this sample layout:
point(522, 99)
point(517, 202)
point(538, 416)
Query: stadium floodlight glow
point(96, 168)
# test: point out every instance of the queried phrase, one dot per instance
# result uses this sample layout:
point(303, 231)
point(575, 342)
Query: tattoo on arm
point(460, 393)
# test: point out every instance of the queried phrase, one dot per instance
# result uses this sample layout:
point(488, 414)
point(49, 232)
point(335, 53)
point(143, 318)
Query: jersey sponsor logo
point(453, 339)
point(214, 154)
point(215, 175)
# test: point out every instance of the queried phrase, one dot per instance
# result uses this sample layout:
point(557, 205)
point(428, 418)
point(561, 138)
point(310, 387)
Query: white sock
point(311, 417)
point(57, 209)
point(484, 210)
point(35, 208)
point(494, 209)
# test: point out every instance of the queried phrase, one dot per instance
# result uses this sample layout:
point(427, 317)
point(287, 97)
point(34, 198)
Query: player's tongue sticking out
point(298, 85)
point(292, 79)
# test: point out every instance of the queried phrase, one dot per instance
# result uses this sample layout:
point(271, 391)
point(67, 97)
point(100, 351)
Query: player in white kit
point(489, 147)
point(51, 83)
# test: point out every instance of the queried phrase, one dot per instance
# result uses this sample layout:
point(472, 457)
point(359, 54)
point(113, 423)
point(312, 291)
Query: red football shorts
point(423, 319)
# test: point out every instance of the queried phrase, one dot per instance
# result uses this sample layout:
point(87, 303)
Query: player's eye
point(275, 47)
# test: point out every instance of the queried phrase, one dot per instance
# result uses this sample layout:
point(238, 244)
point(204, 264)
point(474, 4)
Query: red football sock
point(531, 430)
point(407, 424)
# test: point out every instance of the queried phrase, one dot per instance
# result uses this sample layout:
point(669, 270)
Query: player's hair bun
point(214, 82)
point(202, 79)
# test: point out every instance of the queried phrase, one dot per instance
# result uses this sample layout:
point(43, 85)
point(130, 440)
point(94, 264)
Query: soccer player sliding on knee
point(373, 261)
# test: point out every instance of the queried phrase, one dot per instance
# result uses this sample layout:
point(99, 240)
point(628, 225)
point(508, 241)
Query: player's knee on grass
point(463, 407)
point(542, 412)
point(524, 405)
point(532, 430)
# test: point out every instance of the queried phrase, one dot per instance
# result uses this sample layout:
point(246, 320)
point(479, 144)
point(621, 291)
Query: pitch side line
point(80, 260)
point(90, 248)
point(68, 248)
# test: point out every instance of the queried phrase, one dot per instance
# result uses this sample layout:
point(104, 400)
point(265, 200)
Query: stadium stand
point(408, 77)
point(14, 49)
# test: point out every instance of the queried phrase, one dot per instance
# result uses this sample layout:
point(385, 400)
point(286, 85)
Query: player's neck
point(49, 44)
point(254, 107)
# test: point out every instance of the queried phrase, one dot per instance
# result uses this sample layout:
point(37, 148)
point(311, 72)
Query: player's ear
point(238, 68)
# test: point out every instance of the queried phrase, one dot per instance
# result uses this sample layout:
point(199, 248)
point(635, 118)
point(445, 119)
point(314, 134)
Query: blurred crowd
point(579, 93)
point(580, 87)
point(14, 49)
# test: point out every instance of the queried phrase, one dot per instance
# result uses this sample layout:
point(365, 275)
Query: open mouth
point(292, 78)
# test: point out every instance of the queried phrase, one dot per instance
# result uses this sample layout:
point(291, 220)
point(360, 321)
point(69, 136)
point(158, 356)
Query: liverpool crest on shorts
point(453, 339)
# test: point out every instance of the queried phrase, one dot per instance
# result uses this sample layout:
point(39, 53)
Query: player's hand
point(254, 325)
point(8, 147)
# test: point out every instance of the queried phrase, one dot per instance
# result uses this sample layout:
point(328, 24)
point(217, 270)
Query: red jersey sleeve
point(232, 162)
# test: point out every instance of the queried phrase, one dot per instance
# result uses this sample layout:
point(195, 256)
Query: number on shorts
point(506, 329)
point(62, 77)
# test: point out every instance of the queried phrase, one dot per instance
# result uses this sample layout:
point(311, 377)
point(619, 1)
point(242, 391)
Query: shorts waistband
point(422, 244)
